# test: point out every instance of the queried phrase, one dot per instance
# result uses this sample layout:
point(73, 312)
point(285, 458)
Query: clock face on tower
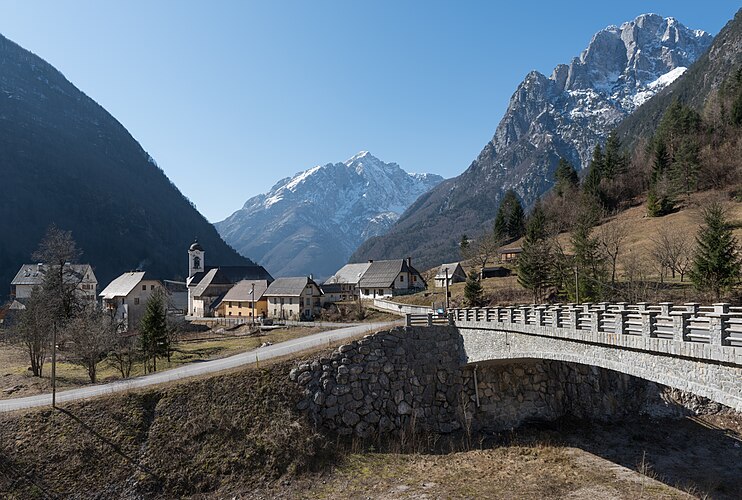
point(197, 262)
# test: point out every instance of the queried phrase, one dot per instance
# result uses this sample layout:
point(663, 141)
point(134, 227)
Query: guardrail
point(401, 309)
point(428, 319)
point(717, 324)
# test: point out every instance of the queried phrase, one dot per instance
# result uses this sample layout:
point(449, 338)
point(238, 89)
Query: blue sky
point(231, 96)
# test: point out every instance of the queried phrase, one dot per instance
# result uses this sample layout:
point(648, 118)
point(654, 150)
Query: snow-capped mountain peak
point(337, 205)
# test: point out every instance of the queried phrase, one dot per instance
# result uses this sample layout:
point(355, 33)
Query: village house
point(31, 276)
point(343, 285)
point(387, 278)
point(453, 271)
point(293, 298)
point(246, 299)
point(508, 255)
point(126, 297)
point(207, 285)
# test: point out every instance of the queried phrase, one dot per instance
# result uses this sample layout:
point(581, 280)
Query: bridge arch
point(716, 380)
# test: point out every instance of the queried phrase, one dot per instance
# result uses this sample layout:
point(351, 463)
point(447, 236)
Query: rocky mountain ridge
point(312, 222)
point(563, 115)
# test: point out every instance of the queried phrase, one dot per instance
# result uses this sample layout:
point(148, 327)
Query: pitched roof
point(123, 285)
point(349, 273)
point(33, 274)
point(288, 287)
point(230, 274)
point(451, 270)
point(382, 273)
point(241, 291)
point(212, 277)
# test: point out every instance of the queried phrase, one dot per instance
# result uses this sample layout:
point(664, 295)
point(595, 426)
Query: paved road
point(195, 369)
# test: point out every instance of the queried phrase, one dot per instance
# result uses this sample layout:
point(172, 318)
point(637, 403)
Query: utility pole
point(447, 293)
point(54, 366)
point(252, 296)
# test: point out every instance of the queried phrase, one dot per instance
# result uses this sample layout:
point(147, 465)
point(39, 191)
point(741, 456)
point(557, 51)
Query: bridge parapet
point(690, 330)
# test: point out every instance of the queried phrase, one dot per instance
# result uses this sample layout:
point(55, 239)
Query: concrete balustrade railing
point(718, 324)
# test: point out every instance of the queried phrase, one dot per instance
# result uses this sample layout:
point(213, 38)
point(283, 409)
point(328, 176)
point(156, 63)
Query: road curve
point(195, 369)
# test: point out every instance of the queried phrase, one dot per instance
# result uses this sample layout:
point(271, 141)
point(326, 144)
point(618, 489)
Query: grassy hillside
point(240, 435)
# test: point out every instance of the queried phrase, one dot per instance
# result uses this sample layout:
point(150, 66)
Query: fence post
point(680, 325)
point(510, 314)
point(649, 318)
point(621, 315)
point(451, 321)
point(718, 324)
point(665, 308)
point(574, 317)
point(430, 319)
point(408, 319)
point(596, 317)
point(539, 313)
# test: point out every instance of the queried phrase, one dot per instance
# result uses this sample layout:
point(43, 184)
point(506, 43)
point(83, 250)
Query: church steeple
point(196, 259)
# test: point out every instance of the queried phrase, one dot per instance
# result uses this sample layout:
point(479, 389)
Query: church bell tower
point(196, 261)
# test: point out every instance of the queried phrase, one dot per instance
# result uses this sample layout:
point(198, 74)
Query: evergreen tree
point(591, 184)
point(535, 261)
point(565, 178)
point(473, 291)
point(660, 200)
point(614, 161)
point(153, 337)
point(510, 219)
point(588, 260)
point(716, 264)
point(464, 245)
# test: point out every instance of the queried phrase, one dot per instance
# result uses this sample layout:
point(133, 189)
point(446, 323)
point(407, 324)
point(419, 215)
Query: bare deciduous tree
point(91, 334)
point(34, 331)
point(482, 250)
point(673, 251)
point(611, 237)
point(124, 353)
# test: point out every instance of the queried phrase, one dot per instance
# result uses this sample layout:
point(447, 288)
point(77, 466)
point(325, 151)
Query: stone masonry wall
point(414, 378)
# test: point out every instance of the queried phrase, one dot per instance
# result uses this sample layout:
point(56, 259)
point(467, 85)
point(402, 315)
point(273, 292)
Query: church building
point(207, 285)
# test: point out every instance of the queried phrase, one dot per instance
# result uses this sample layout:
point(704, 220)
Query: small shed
point(455, 274)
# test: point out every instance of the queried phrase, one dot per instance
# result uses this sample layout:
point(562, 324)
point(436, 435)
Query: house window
point(401, 278)
point(152, 287)
point(365, 291)
point(136, 301)
point(381, 292)
point(144, 287)
point(414, 278)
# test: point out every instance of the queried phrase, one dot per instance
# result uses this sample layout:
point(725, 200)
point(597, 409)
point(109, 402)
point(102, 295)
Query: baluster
point(574, 317)
point(692, 307)
point(538, 313)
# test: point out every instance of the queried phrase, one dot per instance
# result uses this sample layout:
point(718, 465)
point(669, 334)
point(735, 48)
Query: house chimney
point(38, 267)
point(370, 261)
point(409, 261)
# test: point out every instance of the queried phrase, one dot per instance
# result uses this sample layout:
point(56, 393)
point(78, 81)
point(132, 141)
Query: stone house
point(126, 297)
point(246, 299)
point(32, 275)
point(387, 278)
point(455, 274)
point(343, 285)
point(293, 298)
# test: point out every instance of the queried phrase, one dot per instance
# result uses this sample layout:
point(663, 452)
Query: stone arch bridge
point(689, 347)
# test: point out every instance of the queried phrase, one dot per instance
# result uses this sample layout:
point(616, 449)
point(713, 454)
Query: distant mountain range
point(564, 115)
point(312, 222)
point(65, 160)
